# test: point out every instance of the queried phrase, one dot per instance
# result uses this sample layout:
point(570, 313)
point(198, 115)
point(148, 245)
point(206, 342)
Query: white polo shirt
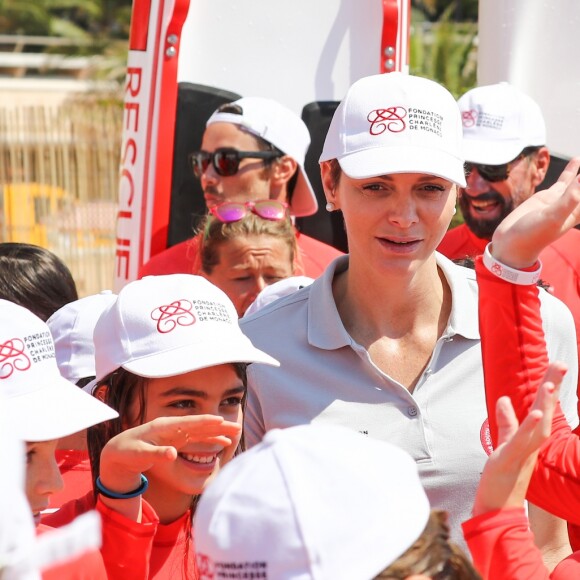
point(325, 376)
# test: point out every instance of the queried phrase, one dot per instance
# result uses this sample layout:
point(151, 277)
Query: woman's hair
point(433, 555)
point(35, 278)
point(215, 233)
point(123, 388)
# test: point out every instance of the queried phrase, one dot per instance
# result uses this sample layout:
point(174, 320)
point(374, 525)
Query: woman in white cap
point(386, 341)
point(170, 358)
point(43, 407)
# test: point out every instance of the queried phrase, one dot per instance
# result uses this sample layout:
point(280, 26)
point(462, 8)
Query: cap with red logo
point(499, 121)
point(396, 123)
point(42, 404)
point(310, 502)
point(162, 326)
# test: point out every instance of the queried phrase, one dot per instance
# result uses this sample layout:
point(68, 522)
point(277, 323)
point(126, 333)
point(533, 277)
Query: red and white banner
point(148, 129)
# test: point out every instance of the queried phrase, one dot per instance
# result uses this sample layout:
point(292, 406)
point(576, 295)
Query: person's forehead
point(228, 135)
point(262, 249)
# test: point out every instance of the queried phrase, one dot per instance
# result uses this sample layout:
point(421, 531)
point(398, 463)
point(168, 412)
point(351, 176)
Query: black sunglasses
point(226, 162)
point(495, 173)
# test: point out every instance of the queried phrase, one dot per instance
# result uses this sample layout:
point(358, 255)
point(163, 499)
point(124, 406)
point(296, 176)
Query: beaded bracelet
point(114, 495)
point(520, 277)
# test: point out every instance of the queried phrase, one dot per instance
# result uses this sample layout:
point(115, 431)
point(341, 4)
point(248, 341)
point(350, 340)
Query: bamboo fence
point(58, 184)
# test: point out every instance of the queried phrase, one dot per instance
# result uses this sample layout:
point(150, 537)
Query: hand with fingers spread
point(508, 470)
point(539, 221)
point(162, 440)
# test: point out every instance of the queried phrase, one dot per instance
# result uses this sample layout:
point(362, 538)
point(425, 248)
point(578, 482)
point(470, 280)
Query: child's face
point(42, 475)
point(214, 391)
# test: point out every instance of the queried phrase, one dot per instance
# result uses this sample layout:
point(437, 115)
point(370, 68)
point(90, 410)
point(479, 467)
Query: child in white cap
point(72, 328)
point(171, 359)
point(322, 502)
point(42, 406)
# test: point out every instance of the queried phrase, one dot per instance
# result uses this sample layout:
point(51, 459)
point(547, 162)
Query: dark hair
point(124, 387)
point(433, 555)
point(263, 145)
point(35, 278)
point(215, 233)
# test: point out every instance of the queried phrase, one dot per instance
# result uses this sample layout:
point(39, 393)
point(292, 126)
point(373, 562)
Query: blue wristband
point(114, 495)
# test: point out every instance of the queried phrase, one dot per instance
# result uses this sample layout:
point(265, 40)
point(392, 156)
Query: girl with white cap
point(43, 406)
point(170, 358)
point(386, 341)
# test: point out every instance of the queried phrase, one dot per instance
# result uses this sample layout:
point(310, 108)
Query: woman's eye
point(373, 187)
point(185, 404)
point(29, 456)
point(232, 402)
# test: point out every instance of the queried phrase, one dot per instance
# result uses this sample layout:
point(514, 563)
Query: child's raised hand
point(539, 221)
point(127, 455)
point(506, 475)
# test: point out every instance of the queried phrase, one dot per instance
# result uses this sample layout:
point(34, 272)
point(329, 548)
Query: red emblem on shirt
point(169, 316)
point(205, 568)
point(12, 357)
point(469, 118)
point(485, 436)
point(389, 119)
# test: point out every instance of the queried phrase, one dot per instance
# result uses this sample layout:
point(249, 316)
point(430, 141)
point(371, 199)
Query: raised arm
point(513, 347)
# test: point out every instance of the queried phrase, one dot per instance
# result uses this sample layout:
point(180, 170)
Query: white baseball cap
point(277, 290)
point(311, 502)
point(396, 123)
point(285, 130)
point(42, 403)
point(162, 326)
point(72, 329)
point(499, 121)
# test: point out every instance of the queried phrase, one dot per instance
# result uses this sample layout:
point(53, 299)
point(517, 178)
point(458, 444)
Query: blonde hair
point(433, 555)
point(214, 233)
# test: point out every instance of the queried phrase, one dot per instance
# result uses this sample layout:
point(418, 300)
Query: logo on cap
point(389, 119)
point(205, 568)
point(12, 357)
point(469, 118)
point(169, 316)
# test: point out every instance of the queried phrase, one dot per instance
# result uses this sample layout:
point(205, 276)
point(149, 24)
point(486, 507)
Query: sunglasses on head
point(495, 173)
point(268, 209)
point(226, 162)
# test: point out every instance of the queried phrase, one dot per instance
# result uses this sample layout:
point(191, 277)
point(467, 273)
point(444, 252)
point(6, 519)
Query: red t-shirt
point(183, 258)
point(138, 551)
point(503, 548)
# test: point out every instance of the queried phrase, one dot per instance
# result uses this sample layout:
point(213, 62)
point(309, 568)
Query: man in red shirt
point(252, 149)
point(504, 145)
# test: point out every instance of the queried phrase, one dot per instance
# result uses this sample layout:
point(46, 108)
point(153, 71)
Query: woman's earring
point(454, 210)
point(330, 207)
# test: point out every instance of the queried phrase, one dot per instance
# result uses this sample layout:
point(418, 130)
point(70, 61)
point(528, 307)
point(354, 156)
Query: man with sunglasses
point(504, 145)
point(252, 149)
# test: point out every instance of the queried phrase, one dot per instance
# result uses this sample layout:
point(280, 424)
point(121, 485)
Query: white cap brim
point(496, 153)
point(403, 159)
point(55, 410)
point(304, 201)
point(209, 354)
